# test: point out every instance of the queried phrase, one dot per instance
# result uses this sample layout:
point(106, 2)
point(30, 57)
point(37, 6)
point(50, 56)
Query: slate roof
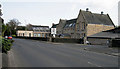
point(95, 18)
point(116, 30)
point(70, 23)
point(21, 28)
point(113, 33)
point(39, 26)
point(106, 35)
point(54, 25)
point(65, 35)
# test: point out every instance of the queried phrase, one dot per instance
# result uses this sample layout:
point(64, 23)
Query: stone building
point(60, 26)
point(103, 37)
point(86, 24)
point(69, 28)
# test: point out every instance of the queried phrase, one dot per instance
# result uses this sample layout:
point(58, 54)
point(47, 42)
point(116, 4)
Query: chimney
point(101, 12)
point(52, 24)
point(87, 9)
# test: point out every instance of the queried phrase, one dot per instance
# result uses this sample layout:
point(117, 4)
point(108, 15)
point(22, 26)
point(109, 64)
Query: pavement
point(106, 50)
point(114, 51)
point(32, 53)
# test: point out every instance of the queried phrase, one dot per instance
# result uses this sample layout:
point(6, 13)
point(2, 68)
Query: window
point(42, 34)
point(70, 25)
point(73, 25)
point(83, 25)
point(66, 25)
point(35, 35)
point(38, 35)
point(45, 35)
point(38, 28)
point(47, 28)
point(84, 34)
point(34, 28)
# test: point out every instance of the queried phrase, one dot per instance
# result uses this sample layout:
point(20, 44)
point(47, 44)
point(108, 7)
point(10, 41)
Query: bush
point(13, 35)
point(6, 44)
point(0, 42)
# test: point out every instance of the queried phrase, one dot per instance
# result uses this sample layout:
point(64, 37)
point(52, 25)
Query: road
point(32, 53)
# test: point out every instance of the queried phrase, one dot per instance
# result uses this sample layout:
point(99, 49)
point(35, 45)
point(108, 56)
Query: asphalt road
point(32, 53)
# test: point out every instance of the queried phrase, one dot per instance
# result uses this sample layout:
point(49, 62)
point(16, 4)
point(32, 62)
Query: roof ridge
point(96, 18)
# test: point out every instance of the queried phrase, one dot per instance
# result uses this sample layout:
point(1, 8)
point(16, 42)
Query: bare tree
point(13, 24)
point(0, 11)
point(2, 25)
point(29, 27)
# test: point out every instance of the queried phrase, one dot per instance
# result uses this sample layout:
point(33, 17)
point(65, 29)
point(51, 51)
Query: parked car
point(6, 37)
point(9, 37)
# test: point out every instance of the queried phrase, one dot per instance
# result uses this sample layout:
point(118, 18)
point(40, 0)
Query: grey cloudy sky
point(46, 12)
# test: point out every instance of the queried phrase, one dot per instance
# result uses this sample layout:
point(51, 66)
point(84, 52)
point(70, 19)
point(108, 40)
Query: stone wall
point(95, 28)
point(98, 41)
point(34, 38)
point(116, 43)
point(67, 40)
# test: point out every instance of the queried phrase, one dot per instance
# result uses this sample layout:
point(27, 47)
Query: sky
point(46, 12)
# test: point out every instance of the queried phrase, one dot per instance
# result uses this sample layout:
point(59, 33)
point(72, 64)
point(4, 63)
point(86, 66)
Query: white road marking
point(79, 44)
point(94, 64)
point(57, 43)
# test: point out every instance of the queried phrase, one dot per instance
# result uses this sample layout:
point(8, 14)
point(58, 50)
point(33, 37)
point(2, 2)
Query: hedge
point(5, 44)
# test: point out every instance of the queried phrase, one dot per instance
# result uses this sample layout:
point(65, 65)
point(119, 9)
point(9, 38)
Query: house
point(33, 31)
point(53, 30)
point(60, 26)
point(86, 24)
point(40, 31)
point(24, 33)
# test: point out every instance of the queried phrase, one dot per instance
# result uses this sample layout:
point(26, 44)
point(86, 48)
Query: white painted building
point(53, 30)
point(24, 33)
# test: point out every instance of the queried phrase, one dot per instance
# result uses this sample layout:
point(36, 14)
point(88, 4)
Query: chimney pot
point(87, 9)
point(102, 13)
